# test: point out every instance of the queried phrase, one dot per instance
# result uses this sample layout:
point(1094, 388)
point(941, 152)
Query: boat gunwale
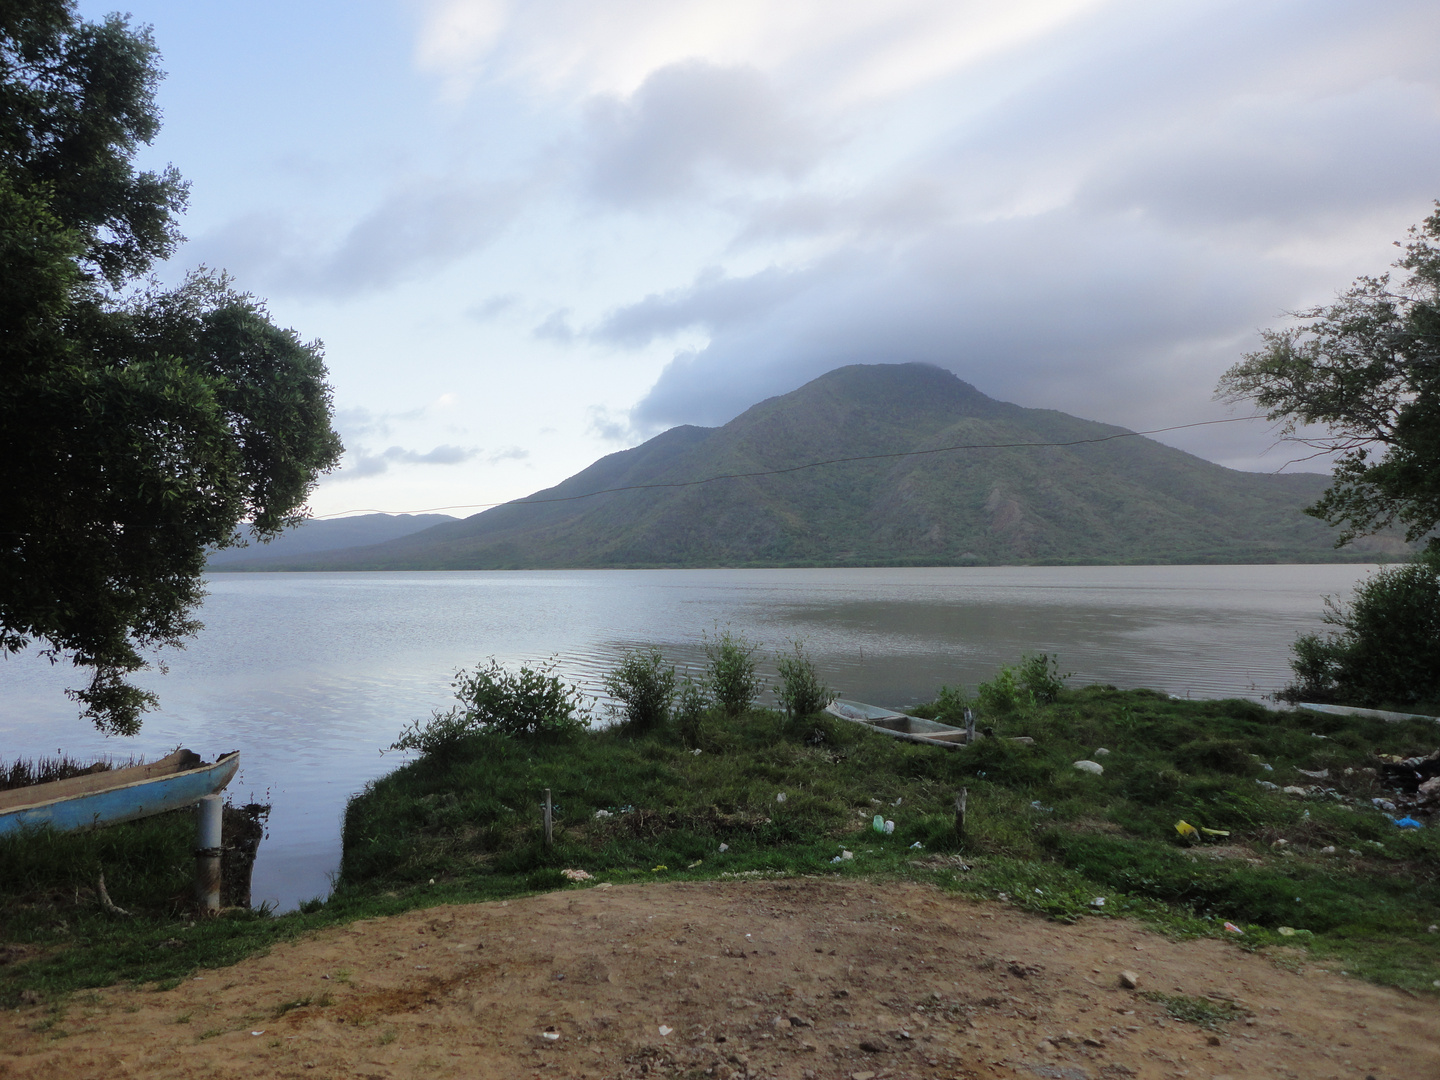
point(71, 794)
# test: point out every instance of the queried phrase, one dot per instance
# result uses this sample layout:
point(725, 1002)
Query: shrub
point(691, 705)
point(1002, 693)
point(1386, 649)
point(1040, 678)
point(533, 702)
point(950, 705)
point(645, 687)
point(1036, 680)
point(731, 677)
point(800, 692)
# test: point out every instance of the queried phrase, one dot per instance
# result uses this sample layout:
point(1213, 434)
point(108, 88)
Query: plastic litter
point(1233, 928)
point(1036, 805)
point(657, 869)
point(1285, 931)
point(878, 824)
point(601, 815)
point(696, 752)
point(847, 854)
point(257, 1033)
point(1384, 804)
point(1213, 832)
point(578, 875)
point(1098, 902)
point(916, 845)
point(1094, 768)
point(550, 1036)
point(1185, 829)
point(1101, 752)
point(1408, 823)
point(665, 1030)
point(724, 847)
point(889, 827)
point(780, 797)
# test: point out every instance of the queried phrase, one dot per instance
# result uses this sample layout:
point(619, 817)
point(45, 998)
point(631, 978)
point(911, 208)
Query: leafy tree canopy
point(1368, 368)
point(139, 424)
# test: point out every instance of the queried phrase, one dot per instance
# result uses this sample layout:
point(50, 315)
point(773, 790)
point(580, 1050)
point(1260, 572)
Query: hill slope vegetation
point(1124, 500)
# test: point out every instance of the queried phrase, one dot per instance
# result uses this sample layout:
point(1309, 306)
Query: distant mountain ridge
point(312, 536)
point(1124, 500)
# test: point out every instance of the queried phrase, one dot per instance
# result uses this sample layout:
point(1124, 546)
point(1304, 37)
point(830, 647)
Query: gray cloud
point(1106, 240)
point(415, 230)
point(556, 327)
point(362, 463)
point(492, 306)
point(510, 453)
point(685, 119)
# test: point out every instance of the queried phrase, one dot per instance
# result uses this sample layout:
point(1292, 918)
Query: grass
point(465, 826)
point(1211, 1013)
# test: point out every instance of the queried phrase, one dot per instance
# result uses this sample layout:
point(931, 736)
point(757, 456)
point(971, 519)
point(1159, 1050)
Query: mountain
point(311, 537)
point(1122, 500)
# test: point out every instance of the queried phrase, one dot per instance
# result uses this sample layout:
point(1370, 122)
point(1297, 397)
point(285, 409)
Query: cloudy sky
point(533, 233)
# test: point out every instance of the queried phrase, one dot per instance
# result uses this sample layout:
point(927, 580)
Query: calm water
point(309, 675)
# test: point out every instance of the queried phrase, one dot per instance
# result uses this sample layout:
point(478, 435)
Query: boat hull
point(898, 725)
point(126, 802)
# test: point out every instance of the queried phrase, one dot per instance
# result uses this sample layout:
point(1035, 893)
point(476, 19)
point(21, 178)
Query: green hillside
point(1127, 500)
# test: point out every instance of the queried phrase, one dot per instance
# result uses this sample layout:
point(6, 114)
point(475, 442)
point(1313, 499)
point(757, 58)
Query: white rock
point(1094, 768)
point(1101, 752)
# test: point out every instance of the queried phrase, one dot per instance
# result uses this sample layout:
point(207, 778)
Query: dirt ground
point(794, 978)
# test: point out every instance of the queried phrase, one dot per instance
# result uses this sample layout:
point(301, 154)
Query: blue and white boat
point(106, 798)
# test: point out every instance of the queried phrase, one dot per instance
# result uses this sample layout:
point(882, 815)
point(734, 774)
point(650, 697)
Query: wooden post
point(969, 727)
point(960, 801)
point(207, 853)
point(549, 822)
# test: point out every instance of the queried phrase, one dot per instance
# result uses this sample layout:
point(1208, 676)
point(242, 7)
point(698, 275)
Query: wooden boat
point(106, 798)
point(897, 724)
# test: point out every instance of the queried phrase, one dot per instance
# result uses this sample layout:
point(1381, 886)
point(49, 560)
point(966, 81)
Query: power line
point(799, 468)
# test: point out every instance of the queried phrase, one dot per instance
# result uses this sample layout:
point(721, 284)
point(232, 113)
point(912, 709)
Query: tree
point(1368, 368)
point(140, 425)
point(1385, 648)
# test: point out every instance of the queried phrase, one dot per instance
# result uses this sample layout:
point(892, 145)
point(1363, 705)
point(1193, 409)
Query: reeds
point(24, 773)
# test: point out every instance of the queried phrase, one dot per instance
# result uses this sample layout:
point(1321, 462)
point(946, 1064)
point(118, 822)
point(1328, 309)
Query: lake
point(310, 675)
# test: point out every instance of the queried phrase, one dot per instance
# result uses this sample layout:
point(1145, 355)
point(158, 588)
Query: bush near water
point(462, 822)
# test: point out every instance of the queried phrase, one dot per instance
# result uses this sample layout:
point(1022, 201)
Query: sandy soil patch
point(796, 978)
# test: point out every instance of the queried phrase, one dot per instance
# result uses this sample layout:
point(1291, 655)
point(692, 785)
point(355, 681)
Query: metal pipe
point(207, 852)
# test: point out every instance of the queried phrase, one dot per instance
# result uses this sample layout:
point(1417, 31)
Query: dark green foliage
point(1036, 680)
point(1368, 368)
point(730, 677)
point(801, 691)
point(138, 427)
point(690, 708)
point(644, 686)
point(532, 703)
point(1040, 678)
point(1386, 648)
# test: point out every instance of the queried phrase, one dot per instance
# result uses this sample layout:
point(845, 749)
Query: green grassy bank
point(465, 824)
